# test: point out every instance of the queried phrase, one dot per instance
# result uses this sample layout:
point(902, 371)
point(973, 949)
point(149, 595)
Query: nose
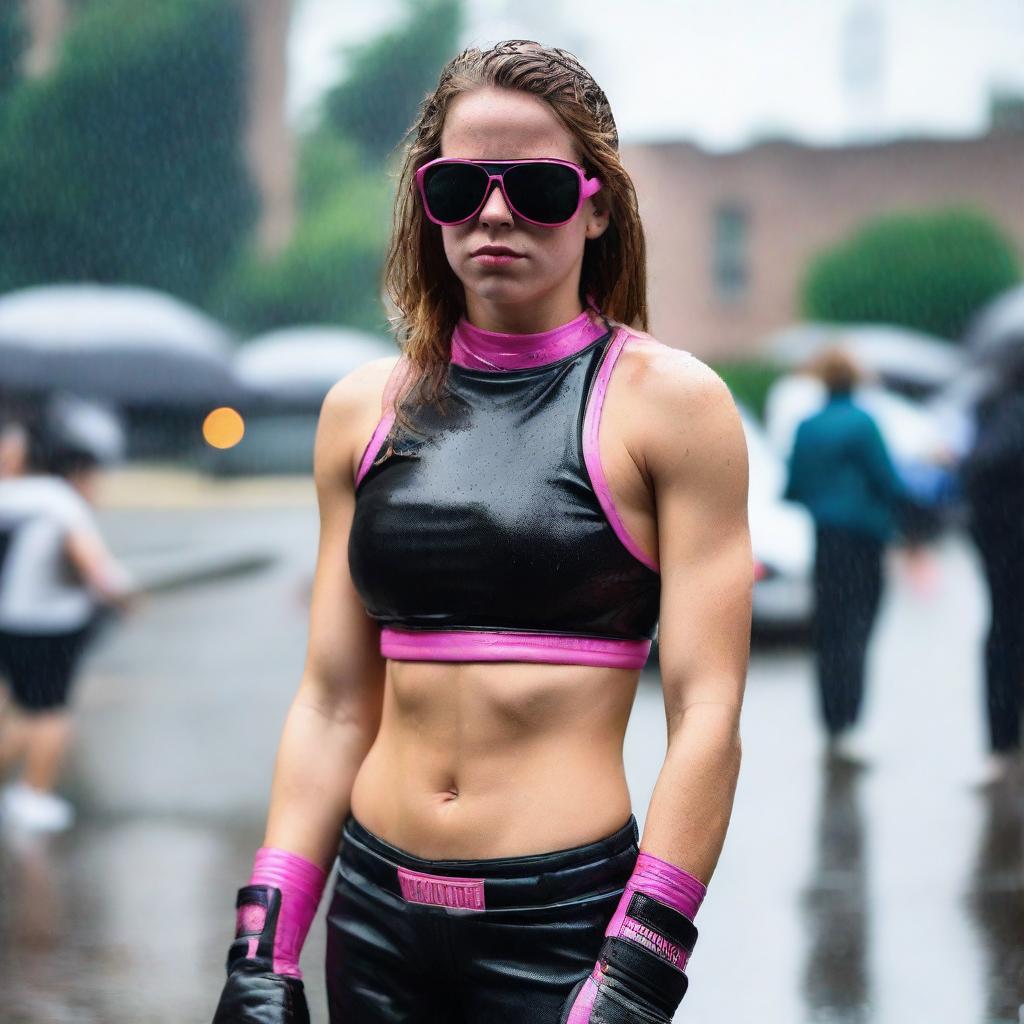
point(495, 210)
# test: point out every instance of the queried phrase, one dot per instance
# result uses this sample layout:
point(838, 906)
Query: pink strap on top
point(386, 421)
point(592, 451)
point(484, 645)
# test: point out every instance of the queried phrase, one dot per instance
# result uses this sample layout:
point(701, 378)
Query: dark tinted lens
point(454, 191)
point(548, 193)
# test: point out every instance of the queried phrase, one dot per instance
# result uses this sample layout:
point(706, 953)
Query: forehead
point(495, 124)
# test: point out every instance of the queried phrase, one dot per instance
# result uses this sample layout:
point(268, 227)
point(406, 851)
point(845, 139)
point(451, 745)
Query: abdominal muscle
point(482, 760)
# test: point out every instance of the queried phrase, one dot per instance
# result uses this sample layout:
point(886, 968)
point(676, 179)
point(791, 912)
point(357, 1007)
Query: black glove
point(632, 984)
point(253, 993)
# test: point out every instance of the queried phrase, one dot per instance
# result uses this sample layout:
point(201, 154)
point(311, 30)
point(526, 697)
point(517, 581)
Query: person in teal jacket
point(840, 469)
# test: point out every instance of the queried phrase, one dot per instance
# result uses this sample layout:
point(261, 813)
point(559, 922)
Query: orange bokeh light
point(223, 428)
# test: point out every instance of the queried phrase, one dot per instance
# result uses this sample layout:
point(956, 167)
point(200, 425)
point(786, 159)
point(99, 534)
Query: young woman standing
point(506, 513)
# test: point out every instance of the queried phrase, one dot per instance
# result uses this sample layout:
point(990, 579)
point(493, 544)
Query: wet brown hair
point(428, 296)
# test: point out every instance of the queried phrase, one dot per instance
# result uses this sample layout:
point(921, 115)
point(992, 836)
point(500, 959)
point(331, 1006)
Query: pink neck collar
point(477, 349)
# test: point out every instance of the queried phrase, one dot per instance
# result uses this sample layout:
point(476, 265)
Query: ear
point(598, 216)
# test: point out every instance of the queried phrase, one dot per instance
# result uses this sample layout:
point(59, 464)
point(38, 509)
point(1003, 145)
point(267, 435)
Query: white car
point(782, 536)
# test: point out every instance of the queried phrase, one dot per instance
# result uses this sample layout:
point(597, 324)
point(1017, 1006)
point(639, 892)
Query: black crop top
point(484, 535)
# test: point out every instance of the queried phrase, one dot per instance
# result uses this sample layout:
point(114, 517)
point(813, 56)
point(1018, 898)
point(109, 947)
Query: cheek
point(453, 243)
point(564, 246)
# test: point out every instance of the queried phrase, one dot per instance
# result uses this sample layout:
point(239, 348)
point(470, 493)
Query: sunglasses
point(544, 192)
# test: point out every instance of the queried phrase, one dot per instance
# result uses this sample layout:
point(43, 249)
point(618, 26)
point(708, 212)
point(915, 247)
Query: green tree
point(13, 38)
point(930, 271)
point(331, 270)
point(125, 165)
point(329, 274)
point(389, 76)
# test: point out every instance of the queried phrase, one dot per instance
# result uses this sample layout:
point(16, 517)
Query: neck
point(478, 349)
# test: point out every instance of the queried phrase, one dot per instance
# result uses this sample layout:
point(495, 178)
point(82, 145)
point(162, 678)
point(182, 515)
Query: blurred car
point(782, 537)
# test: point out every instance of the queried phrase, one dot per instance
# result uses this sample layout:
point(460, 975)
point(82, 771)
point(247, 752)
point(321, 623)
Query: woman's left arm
point(691, 448)
point(696, 459)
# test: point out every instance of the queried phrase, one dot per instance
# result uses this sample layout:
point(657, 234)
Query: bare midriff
point(482, 760)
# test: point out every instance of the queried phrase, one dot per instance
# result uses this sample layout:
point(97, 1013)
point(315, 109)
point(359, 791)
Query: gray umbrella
point(996, 334)
point(296, 366)
point(127, 345)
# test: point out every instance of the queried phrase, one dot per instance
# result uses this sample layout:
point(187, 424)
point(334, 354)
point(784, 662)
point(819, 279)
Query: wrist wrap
point(639, 975)
point(273, 928)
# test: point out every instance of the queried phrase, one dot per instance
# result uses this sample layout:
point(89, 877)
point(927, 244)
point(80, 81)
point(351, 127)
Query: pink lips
point(495, 255)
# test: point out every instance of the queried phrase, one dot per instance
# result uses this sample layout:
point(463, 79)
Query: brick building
point(730, 235)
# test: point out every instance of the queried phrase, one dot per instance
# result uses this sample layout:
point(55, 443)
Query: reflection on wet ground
point(836, 904)
point(892, 895)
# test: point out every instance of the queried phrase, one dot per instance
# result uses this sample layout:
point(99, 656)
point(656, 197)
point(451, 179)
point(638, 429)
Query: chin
point(501, 291)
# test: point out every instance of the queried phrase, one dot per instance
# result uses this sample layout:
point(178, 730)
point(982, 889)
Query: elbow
point(355, 704)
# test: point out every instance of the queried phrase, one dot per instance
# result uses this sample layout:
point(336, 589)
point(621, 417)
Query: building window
point(731, 254)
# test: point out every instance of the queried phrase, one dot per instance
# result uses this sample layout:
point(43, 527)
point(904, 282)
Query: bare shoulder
point(359, 388)
point(349, 414)
point(689, 417)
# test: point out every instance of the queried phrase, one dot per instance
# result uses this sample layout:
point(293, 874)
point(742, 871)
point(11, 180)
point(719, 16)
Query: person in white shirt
point(58, 579)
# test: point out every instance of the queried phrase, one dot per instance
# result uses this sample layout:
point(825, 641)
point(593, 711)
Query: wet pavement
point(892, 896)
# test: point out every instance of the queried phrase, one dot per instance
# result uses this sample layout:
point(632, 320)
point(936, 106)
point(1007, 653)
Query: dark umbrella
point(127, 345)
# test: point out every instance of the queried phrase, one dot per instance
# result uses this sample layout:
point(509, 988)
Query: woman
point(469, 753)
point(841, 470)
point(57, 579)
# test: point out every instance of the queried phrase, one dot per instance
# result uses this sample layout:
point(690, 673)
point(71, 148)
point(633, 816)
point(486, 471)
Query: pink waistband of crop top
point(477, 349)
point(498, 645)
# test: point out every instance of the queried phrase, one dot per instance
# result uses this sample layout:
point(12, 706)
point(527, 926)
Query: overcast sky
point(724, 72)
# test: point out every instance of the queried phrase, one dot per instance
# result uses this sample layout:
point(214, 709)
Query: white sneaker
point(849, 748)
point(31, 809)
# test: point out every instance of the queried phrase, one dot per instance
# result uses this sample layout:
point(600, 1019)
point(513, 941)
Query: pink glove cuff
point(667, 884)
point(301, 883)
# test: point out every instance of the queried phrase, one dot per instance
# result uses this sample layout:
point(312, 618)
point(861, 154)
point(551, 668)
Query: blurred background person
point(13, 442)
point(993, 482)
point(58, 579)
point(840, 469)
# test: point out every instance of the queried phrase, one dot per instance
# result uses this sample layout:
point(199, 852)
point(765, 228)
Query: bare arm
point(98, 568)
point(334, 717)
point(697, 461)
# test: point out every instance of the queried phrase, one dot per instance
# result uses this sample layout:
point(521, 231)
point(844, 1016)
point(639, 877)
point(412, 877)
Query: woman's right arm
point(335, 715)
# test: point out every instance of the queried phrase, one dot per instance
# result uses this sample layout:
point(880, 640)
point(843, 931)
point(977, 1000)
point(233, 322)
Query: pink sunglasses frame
point(588, 188)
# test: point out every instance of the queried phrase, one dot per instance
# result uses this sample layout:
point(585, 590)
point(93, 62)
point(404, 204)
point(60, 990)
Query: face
point(542, 279)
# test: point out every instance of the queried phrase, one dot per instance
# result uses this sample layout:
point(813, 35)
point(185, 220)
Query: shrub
point(930, 271)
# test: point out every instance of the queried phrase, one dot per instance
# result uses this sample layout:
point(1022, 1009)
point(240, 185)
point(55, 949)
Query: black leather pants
point(467, 942)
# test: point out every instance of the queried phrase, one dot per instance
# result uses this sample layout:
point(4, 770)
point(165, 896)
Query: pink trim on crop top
point(484, 645)
point(592, 451)
point(477, 349)
point(383, 427)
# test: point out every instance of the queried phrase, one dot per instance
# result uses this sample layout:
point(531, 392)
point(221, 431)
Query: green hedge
point(749, 381)
point(930, 271)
